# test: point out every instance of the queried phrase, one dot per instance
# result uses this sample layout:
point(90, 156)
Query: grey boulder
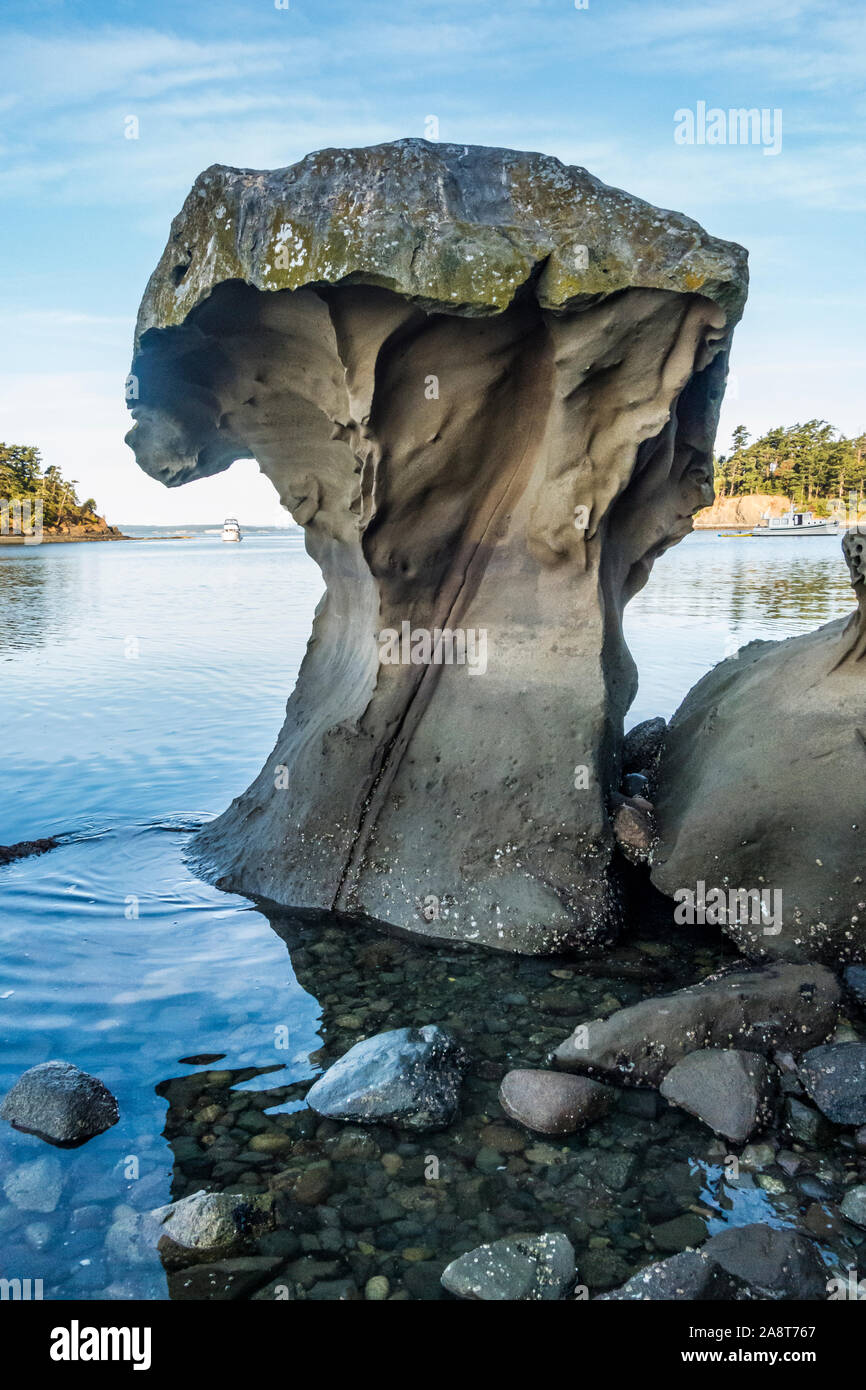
point(690, 1276)
point(759, 1010)
point(61, 1104)
point(209, 1226)
point(730, 1090)
point(408, 1077)
point(775, 1263)
point(519, 1268)
point(835, 1078)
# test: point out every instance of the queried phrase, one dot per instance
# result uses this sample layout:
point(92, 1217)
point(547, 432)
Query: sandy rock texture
point(487, 386)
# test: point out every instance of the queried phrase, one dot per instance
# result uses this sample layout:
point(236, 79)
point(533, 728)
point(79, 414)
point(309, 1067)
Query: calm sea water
point(143, 684)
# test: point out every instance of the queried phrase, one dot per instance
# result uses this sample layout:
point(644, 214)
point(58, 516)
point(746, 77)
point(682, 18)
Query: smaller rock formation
point(835, 1078)
point(526, 1268)
point(759, 1010)
point(409, 1077)
point(731, 1091)
point(760, 789)
point(61, 1104)
point(550, 1102)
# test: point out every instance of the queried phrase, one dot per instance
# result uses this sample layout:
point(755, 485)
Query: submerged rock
point(690, 1276)
point(775, 1263)
point(61, 1104)
point(24, 848)
point(208, 1226)
point(409, 1077)
point(731, 1091)
point(835, 1078)
point(526, 1268)
point(35, 1186)
point(759, 1010)
point(487, 386)
point(761, 785)
point(550, 1102)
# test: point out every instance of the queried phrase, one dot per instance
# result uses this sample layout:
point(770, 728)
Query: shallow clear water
point(143, 685)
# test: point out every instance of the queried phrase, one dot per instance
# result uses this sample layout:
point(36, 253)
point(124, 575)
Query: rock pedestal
point(487, 387)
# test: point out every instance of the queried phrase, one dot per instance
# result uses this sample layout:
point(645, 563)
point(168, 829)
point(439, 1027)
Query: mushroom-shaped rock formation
point(760, 807)
point(487, 387)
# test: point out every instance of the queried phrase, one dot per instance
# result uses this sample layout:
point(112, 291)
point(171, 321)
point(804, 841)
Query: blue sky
point(87, 211)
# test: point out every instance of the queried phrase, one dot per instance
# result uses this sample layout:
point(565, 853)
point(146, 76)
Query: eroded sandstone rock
point(487, 387)
point(760, 788)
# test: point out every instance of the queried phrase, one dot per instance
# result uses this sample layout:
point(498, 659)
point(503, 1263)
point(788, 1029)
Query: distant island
point(37, 502)
point(812, 467)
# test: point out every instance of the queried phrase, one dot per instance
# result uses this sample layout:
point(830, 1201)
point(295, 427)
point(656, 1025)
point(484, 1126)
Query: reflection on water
point(208, 1019)
point(708, 597)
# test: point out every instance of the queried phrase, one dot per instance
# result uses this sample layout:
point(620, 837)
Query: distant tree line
point(810, 463)
point(23, 478)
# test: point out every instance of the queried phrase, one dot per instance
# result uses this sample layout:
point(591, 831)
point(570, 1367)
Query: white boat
point(231, 530)
point(795, 524)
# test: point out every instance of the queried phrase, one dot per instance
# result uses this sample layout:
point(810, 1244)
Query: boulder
point(642, 747)
point(758, 1010)
point(761, 786)
point(209, 1226)
point(550, 1102)
point(525, 1268)
point(61, 1104)
point(774, 1262)
point(835, 1078)
point(409, 1077)
point(487, 386)
point(691, 1276)
point(854, 1205)
point(731, 1091)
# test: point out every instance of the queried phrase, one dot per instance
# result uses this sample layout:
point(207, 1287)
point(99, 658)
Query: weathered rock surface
point(835, 1078)
point(761, 786)
point(758, 1010)
point(410, 1077)
point(775, 1263)
point(691, 1276)
point(487, 387)
point(550, 1102)
point(209, 1226)
point(528, 1268)
point(61, 1104)
point(731, 1091)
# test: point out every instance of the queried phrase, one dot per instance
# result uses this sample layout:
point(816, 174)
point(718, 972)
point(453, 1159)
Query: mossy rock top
point(454, 228)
